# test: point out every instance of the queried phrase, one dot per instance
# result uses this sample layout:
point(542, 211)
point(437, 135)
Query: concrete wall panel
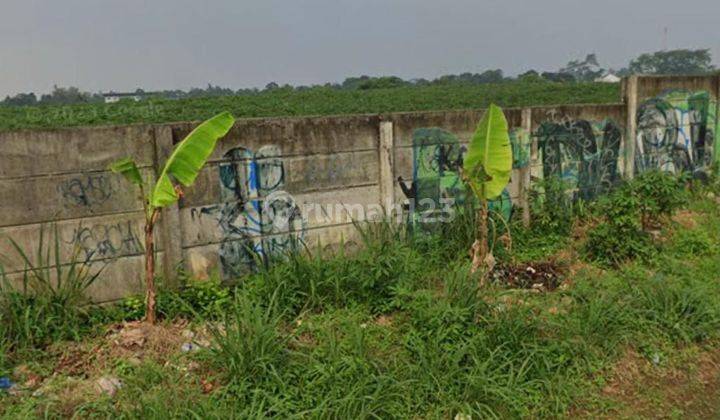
point(31, 153)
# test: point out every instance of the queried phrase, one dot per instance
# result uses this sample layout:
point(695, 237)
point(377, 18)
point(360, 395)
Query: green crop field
point(315, 101)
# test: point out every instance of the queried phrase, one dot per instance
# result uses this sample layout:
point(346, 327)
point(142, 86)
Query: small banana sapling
point(181, 169)
point(486, 170)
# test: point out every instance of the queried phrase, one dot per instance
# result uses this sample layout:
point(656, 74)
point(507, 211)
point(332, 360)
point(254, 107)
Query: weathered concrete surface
point(71, 196)
point(300, 174)
point(568, 113)
point(203, 261)
point(119, 278)
point(296, 136)
point(201, 224)
point(650, 86)
point(31, 153)
point(94, 238)
point(461, 123)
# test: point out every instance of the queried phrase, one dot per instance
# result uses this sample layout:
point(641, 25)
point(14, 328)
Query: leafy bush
point(208, 299)
point(659, 195)
point(619, 237)
point(628, 213)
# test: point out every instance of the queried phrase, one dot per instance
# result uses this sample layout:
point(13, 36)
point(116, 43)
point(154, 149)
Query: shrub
point(551, 207)
point(619, 237)
point(659, 195)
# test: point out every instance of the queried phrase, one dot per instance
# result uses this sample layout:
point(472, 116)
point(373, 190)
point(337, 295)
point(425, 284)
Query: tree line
point(681, 61)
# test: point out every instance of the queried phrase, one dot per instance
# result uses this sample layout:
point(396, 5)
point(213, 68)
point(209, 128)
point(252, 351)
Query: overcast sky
point(101, 45)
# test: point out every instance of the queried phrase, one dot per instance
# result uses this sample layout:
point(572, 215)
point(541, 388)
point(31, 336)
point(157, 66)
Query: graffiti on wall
point(582, 154)
point(107, 240)
point(86, 190)
point(256, 218)
point(520, 142)
point(436, 184)
point(677, 132)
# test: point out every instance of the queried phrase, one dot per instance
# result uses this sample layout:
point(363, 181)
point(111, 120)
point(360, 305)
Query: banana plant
point(181, 169)
point(486, 170)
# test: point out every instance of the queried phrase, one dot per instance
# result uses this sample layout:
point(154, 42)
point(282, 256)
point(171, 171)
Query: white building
point(608, 78)
point(113, 97)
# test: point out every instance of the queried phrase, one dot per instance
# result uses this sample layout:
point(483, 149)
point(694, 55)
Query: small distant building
point(113, 97)
point(608, 78)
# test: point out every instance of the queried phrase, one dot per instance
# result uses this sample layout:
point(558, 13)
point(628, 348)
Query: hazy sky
point(101, 45)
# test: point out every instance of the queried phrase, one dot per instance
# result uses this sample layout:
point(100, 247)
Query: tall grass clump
point(314, 281)
point(48, 303)
point(248, 343)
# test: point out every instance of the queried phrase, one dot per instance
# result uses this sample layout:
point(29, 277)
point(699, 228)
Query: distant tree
point(558, 77)
point(530, 76)
point(387, 82)
point(673, 62)
point(584, 71)
point(66, 96)
point(272, 86)
point(353, 83)
point(21, 99)
point(490, 76)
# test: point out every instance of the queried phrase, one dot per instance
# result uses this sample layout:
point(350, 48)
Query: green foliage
point(208, 299)
point(329, 339)
point(629, 212)
point(49, 302)
point(313, 101)
point(619, 236)
point(586, 70)
point(607, 245)
point(691, 242)
point(443, 348)
point(189, 157)
point(249, 346)
point(385, 262)
point(551, 207)
point(673, 62)
point(183, 166)
point(488, 162)
point(128, 168)
point(131, 308)
point(659, 195)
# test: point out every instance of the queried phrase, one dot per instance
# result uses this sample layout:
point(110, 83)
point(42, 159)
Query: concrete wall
point(321, 173)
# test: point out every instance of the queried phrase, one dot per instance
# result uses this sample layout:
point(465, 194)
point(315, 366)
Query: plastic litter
point(5, 383)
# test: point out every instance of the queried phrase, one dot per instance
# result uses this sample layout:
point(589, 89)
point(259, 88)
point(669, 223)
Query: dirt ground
point(686, 386)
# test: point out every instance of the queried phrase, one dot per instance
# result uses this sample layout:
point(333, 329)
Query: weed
point(50, 304)
point(249, 346)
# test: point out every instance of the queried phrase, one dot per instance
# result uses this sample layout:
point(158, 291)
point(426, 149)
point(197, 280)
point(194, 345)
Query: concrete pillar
point(168, 229)
point(387, 165)
point(525, 186)
point(631, 102)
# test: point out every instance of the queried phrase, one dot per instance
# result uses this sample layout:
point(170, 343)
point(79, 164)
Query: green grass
point(401, 330)
point(316, 101)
